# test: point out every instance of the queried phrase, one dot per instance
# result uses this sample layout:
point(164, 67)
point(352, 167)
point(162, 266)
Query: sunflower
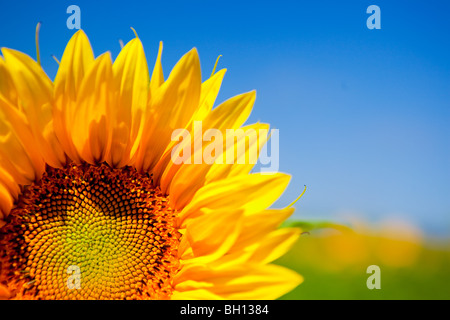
point(91, 205)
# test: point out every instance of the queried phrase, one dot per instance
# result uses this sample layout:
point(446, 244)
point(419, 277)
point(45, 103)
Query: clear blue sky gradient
point(363, 114)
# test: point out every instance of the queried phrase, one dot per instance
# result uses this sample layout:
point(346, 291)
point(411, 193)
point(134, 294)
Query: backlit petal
point(247, 281)
point(91, 124)
point(132, 80)
point(75, 62)
point(172, 107)
point(35, 91)
point(252, 193)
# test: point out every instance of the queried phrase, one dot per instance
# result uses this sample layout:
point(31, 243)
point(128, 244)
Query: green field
point(334, 265)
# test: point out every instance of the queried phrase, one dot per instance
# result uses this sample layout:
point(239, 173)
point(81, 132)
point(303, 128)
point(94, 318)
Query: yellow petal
point(200, 294)
point(259, 241)
point(4, 292)
point(7, 179)
point(172, 107)
point(245, 152)
point(210, 90)
point(210, 236)
point(229, 115)
point(232, 113)
point(274, 245)
point(247, 281)
point(157, 75)
point(31, 82)
point(75, 62)
point(186, 178)
point(35, 92)
point(259, 225)
point(131, 77)
point(252, 193)
point(91, 124)
point(6, 201)
point(7, 88)
point(181, 92)
point(165, 168)
point(18, 152)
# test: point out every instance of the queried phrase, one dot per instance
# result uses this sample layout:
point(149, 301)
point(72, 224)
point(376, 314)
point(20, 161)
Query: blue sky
point(363, 114)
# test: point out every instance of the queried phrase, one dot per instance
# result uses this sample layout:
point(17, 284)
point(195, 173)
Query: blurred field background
point(333, 259)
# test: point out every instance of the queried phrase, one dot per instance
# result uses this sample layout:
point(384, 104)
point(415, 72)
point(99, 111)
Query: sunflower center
point(90, 232)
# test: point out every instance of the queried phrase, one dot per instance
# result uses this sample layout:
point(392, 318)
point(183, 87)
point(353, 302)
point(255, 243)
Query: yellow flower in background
point(397, 243)
point(88, 191)
point(391, 243)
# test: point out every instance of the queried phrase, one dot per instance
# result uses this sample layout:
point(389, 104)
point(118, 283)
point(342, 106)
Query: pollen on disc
point(90, 232)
